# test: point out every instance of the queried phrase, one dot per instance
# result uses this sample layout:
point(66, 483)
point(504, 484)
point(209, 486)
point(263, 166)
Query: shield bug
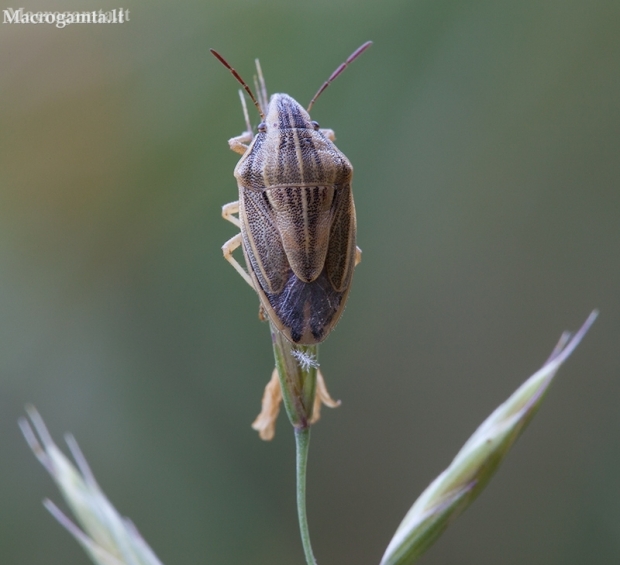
point(295, 212)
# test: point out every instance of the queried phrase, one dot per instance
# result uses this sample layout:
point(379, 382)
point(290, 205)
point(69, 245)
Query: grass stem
point(302, 442)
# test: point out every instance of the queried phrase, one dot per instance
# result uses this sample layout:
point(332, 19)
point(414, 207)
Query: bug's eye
point(315, 125)
point(262, 127)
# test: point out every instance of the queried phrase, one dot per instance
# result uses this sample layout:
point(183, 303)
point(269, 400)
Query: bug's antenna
point(258, 92)
point(241, 81)
point(341, 68)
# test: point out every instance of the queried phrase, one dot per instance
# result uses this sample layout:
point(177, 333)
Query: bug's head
point(284, 112)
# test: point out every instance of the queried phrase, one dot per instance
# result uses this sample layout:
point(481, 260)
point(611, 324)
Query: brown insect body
point(296, 213)
point(297, 222)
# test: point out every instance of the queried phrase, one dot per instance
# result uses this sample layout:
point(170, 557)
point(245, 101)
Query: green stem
point(302, 441)
point(298, 384)
point(298, 381)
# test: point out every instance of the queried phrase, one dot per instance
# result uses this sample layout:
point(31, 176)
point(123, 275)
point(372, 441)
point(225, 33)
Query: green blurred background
point(485, 137)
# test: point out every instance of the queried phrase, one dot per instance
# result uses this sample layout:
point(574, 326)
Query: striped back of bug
point(298, 221)
point(296, 212)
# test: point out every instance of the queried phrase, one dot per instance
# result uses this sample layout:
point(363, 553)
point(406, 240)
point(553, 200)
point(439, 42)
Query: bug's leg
point(358, 253)
point(328, 133)
point(228, 210)
point(228, 249)
point(239, 144)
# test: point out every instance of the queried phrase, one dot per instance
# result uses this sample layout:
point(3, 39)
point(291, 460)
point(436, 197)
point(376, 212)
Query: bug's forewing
point(262, 243)
point(340, 260)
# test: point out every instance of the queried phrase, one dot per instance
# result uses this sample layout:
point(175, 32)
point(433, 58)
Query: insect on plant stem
point(298, 230)
point(295, 213)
